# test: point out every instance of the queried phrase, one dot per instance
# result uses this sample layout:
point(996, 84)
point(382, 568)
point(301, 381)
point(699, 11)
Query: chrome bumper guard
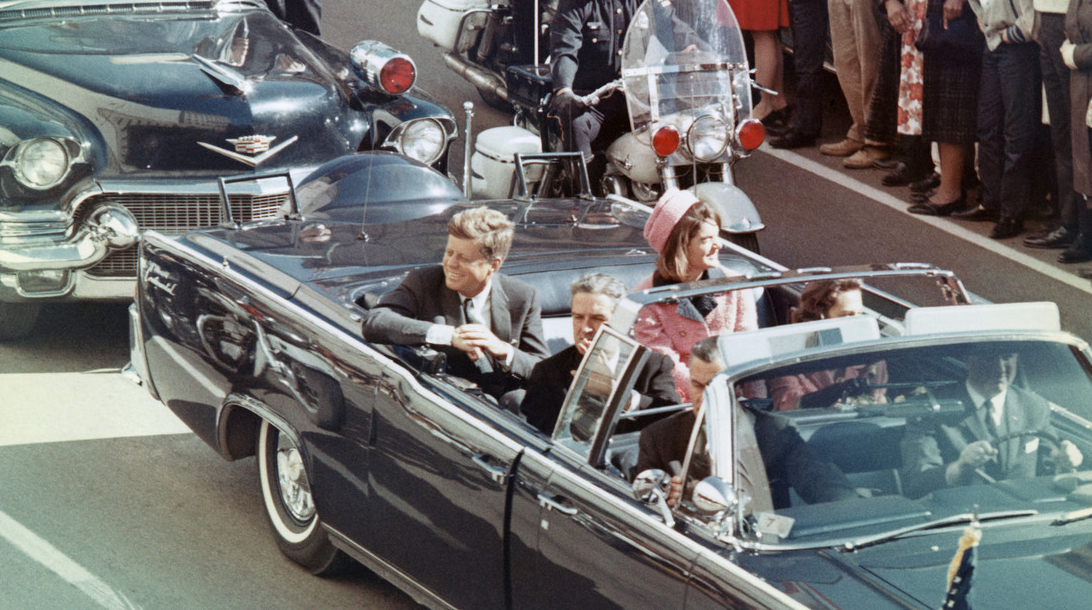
point(107, 227)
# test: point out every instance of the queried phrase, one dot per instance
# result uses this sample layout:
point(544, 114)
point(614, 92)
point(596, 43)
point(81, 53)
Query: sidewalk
point(57, 407)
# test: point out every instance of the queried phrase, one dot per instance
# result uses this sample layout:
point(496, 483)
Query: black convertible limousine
point(251, 334)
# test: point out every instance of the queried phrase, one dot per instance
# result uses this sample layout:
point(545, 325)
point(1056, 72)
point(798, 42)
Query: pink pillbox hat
point(671, 207)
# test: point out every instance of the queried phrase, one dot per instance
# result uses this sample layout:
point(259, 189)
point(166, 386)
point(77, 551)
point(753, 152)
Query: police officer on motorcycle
point(586, 39)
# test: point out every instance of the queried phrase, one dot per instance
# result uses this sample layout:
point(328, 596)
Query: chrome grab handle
point(550, 502)
point(497, 473)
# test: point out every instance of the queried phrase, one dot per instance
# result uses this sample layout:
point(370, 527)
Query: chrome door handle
point(551, 502)
point(497, 473)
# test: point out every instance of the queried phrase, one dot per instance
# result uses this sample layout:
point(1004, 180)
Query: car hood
point(152, 88)
point(1018, 566)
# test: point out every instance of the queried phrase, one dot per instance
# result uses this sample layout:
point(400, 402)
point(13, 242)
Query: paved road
point(107, 502)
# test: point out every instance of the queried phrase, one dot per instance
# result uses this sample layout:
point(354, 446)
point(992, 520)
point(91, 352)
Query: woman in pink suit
point(821, 300)
point(684, 230)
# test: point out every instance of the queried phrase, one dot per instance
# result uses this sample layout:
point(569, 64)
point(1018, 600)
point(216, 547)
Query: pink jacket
point(674, 328)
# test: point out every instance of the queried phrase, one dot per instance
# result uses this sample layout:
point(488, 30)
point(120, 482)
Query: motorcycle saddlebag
point(528, 85)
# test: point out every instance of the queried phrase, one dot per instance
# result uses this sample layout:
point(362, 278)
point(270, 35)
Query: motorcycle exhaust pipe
point(477, 77)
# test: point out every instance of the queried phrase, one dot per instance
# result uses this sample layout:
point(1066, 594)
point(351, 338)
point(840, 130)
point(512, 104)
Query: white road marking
point(43, 552)
point(948, 226)
point(56, 407)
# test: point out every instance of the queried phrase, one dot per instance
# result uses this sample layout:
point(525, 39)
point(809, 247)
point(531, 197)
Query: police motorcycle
point(688, 90)
point(482, 38)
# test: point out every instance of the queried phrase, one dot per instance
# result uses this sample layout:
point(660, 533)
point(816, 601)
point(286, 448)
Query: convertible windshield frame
point(628, 309)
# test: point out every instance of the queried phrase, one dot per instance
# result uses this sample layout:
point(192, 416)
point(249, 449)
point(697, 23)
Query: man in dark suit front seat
point(594, 297)
point(771, 449)
point(938, 454)
point(488, 324)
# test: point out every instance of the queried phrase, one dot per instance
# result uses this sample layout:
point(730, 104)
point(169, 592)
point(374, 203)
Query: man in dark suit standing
point(594, 296)
point(488, 324)
point(773, 454)
point(937, 454)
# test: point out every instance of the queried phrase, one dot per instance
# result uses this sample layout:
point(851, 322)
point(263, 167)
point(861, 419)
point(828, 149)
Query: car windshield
point(885, 436)
point(251, 42)
point(684, 56)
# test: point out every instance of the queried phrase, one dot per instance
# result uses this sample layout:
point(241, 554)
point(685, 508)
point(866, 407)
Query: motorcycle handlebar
point(593, 98)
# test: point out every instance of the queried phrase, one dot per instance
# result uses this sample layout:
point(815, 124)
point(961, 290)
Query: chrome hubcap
point(292, 481)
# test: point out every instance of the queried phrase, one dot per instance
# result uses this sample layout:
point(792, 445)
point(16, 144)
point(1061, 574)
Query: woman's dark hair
point(818, 297)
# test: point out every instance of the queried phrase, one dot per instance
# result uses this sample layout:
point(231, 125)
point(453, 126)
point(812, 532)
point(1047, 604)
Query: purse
point(961, 34)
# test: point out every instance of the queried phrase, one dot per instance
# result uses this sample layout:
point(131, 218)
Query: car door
point(595, 545)
point(438, 477)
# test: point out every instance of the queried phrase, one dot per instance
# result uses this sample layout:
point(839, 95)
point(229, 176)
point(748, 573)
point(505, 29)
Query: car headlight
point(41, 163)
point(423, 140)
point(707, 138)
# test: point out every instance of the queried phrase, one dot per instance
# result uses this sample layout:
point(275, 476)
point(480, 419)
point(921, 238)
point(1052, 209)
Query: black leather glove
point(833, 393)
point(566, 102)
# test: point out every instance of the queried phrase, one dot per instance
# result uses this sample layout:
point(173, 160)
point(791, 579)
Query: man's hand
point(977, 454)
point(1066, 457)
point(1066, 50)
point(674, 490)
point(973, 456)
point(474, 339)
point(566, 102)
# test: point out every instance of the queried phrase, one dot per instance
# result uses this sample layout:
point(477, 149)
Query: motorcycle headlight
point(422, 140)
point(41, 163)
point(707, 138)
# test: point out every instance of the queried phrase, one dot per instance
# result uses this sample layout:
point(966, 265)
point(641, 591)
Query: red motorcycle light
point(666, 140)
point(751, 133)
point(397, 75)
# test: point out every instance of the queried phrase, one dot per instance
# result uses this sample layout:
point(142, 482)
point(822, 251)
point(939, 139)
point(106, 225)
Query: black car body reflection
point(252, 337)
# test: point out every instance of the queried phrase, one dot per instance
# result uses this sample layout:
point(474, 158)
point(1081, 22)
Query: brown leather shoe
point(844, 148)
point(864, 158)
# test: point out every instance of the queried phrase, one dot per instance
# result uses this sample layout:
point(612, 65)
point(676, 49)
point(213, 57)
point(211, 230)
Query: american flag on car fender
point(961, 569)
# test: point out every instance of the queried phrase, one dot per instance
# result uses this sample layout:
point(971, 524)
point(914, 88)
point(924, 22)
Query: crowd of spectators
point(980, 108)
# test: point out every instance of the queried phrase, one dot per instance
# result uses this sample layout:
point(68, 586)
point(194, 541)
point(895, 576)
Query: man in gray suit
point(487, 323)
point(937, 454)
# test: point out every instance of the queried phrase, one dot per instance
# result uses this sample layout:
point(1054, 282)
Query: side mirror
point(650, 487)
point(713, 495)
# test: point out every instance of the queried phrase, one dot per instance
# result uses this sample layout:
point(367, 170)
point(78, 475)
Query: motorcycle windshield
point(683, 59)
